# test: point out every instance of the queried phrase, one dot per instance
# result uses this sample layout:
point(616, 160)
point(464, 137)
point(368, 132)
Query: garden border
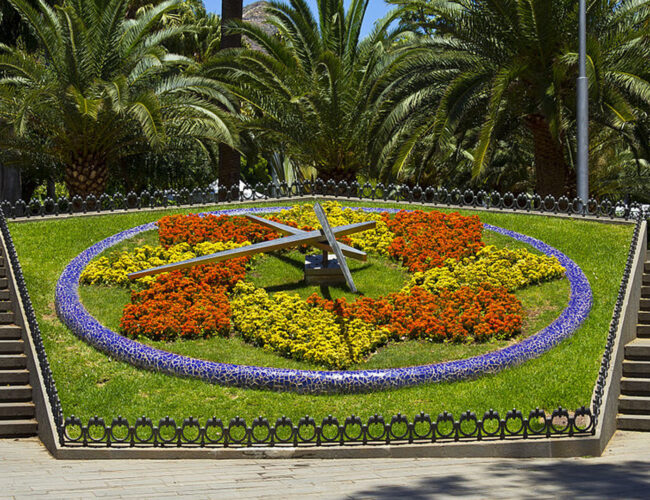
point(520, 444)
point(84, 325)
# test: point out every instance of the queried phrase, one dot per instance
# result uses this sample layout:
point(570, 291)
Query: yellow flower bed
point(511, 269)
point(113, 270)
point(376, 240)
point(286, 324)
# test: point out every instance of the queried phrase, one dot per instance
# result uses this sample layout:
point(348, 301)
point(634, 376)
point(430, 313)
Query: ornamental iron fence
point(276, 191)
point(398, 429)
point(353, 430)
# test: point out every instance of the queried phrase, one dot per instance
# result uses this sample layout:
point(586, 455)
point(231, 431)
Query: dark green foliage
point(104, 88)
point(505, 70)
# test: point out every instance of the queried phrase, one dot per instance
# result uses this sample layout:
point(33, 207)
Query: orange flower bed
point(177, 306)
point(426, 239)
point(466, 314)
point(193, 229)
point(189, 304)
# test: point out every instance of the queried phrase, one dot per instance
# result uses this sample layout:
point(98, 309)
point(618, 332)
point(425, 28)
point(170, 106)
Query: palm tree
point(492, 64)
point(102, 88)
point(311, 90)
point(229, 158)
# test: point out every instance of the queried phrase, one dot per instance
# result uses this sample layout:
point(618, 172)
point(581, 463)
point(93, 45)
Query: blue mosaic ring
point(76, 317)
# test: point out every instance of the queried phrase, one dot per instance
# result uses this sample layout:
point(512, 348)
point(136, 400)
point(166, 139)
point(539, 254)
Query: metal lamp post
point(582, 107)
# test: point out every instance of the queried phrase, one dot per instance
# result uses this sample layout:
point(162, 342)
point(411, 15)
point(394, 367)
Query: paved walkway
point(28, 471)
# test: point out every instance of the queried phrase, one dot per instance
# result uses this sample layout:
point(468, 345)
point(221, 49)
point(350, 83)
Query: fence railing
point(377, 192)
point(397, 429)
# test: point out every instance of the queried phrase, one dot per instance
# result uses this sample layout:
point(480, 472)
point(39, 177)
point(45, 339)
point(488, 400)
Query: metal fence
point(353, 430)
point(378, 192)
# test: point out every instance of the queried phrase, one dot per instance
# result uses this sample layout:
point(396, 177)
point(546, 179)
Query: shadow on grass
point(526, 479)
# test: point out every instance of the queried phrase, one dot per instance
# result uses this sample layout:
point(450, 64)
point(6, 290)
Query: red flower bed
point(193, 229)
point(426, 239)
point(463, 315)
point(176, 305)
point(191, 303)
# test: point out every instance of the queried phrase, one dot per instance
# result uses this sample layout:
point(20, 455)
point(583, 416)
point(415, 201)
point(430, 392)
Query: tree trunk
point(229, 159)
point(10, 189)
point(85, 176)
point(552, 174)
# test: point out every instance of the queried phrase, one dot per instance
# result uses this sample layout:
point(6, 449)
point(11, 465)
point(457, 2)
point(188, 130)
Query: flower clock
point(455, 289)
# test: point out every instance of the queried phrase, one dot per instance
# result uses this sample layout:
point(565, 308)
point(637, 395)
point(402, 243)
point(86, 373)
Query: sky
point(376, 10)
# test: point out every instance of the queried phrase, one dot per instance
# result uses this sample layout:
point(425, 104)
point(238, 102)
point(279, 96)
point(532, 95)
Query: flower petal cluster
point(286, 324)
point(427, 239)
point(115, 268)
point(193, 229)
point(177, 305)
point(373, 241)
point(467, 314)
point(504, 267)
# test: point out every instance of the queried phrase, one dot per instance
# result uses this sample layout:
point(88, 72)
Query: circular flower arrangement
point(460, 291)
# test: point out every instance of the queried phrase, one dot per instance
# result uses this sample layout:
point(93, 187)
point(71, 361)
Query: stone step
point(3, 272)
point(636, 368)
point(635, 386)
point(12, 361)
point(6, 317)
point(6, 305)
point(4, 295)
point(13, 347)
point(646, 279)
point(643, 330)
point(15, 393)
point(633, 422)
point(637, 349)
point(646, 266)
point(644, 304)
point(645, 291)
point(14, 377)
point(4, 283)
point(17, 410)
point(634, 405)
point(10, 332)
point(644, 317)
point(18, 428)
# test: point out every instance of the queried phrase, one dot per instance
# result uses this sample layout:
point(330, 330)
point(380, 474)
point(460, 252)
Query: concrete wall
point(626, 333)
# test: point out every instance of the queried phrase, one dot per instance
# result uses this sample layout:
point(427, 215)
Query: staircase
point(16, 406)
point(634, 402)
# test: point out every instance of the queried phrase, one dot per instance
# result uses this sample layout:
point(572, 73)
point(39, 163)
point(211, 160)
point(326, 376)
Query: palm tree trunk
point(552, 174)
point(86, 175)
point(229, 159)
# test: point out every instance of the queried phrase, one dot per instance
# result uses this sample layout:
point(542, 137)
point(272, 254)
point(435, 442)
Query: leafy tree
point(200, 42)
point(489, 61)
point(103, 88)
point(311, 91)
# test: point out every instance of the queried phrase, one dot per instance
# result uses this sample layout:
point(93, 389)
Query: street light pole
point(582, 87)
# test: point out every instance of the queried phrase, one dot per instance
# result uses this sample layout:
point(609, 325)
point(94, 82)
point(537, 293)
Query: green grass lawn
point(91, 383)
